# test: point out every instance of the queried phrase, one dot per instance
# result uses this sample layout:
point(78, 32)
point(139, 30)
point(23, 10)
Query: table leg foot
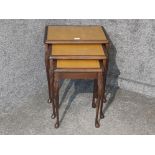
point(101, 115)
point(53, 116)
point(56, 125)
point(49, 101)
point(97, 124)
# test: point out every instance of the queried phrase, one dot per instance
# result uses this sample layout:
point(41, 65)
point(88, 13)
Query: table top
point(78, 64)
point(75, 34)
point(77, 49)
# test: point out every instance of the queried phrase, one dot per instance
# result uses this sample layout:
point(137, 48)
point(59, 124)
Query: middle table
point(78, 61)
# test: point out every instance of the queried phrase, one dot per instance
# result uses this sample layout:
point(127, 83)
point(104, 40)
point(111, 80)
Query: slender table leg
point(94, 94)
point(100, 90)
point(56, 100)
point(47, 64)
point(51, 71)
point(97, 123)
point(103, 99)
point(52, 94)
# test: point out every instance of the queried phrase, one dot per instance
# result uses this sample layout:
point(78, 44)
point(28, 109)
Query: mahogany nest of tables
point(76, 52)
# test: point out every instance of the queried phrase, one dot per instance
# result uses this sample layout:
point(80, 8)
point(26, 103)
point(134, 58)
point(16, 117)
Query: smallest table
point(81, 57)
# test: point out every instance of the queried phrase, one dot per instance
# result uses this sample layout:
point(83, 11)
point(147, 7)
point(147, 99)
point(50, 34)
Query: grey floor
point(125, 113)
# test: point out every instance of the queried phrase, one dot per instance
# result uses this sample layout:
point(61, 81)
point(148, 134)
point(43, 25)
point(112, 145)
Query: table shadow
point(112, 74)
point(80, 86)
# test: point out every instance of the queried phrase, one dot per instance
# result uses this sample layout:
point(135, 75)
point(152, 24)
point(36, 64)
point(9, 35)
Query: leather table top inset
point(60, 34)
point(77, 49)
point(78, 64)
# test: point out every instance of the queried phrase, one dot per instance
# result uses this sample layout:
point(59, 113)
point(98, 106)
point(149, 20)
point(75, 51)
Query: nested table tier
point(77, 49)
point(60, 34)
point(78, 64)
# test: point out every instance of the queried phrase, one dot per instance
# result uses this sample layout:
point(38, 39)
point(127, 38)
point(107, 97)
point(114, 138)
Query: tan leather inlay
point(78, 64)
point(77, 49)
point(75, 33)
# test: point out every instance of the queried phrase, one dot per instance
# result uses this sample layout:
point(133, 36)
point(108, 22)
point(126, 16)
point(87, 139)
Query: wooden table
point(76, 52)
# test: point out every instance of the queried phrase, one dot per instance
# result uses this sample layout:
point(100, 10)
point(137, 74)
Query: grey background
point(22, 70)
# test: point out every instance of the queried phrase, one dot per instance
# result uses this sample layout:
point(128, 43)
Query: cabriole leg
point(56, 101)
point(100, 90)
point(94, 94)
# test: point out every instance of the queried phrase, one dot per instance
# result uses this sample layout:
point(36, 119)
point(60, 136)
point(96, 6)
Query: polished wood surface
point(63, 74)
point(75, 34)
point(76, 57)
point(78, 70)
